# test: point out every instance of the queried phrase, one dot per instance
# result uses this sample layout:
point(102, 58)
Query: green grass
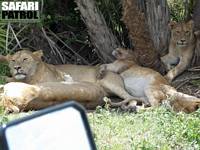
point(151, 129)
point(156, 128)
point(196, 82)
point(4, 71)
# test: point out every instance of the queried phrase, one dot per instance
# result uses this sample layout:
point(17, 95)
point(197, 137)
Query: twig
point(22, 29)
point(15, 47)
point(42, 6)
point(29, 41)
point(184, 81)
point(15, 35)
point(194, 69)
point(182, 84)
point(86, 62)
point(191, 78)
point(52, 45)
point(7, 35)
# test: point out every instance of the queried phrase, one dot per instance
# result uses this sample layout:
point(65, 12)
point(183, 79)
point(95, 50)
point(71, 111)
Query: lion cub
point(124, 61)
point(181, 48)
point(124, 65)
point(147, 84)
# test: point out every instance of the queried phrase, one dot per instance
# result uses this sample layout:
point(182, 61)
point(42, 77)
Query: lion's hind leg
point(129, 104)
point(154, 95)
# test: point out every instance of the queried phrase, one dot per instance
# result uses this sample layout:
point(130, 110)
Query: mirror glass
point(59, 130)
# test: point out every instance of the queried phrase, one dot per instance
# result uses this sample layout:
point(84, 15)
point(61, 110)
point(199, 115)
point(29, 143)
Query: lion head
point(24, 63)
point(17, 95)
point(182, 34)
point(123, 54)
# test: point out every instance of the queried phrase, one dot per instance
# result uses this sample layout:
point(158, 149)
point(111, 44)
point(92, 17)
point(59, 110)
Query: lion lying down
point(28, 67)
point(43, 84)
point(146, 84)
point(19, 96)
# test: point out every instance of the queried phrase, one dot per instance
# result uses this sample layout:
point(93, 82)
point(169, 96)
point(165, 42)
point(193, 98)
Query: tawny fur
point(135, 21)
point(181, 49)
point(148, 84)
point(27, 67)
point(19, 96)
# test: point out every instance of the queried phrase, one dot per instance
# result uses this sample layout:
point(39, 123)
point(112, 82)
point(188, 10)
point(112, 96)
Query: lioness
point(146, 83)
point(18, 96)
point(27, 67)
point(181, 48)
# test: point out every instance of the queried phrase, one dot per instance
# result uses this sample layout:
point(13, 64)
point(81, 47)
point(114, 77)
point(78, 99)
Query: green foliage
point(112, 12)
point(2, 38)
point(5, 118)
point(147, 130)
point(180, 10)
point(4, 71)
point(176, 9)
point(55, 12)
point(196, 82)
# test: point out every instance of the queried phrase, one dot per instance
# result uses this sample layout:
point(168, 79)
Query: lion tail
point(180, 101)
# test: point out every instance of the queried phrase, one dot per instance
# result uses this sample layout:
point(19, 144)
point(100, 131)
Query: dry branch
point(75, 53)
point(13, 32)
point(100, 35)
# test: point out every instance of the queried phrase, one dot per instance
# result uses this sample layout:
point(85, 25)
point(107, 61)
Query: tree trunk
point(196, 15)
point(145, 48)
point(157, 14)
point(100, 35)
point(196, 18)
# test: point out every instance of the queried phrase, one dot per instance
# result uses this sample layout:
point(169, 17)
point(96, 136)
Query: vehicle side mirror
point(60, 127)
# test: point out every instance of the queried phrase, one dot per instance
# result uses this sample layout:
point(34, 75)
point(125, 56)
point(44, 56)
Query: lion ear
point(197, 33)
point(5, 58)
point(171, 24)
point(38, 53)
point(191, 23)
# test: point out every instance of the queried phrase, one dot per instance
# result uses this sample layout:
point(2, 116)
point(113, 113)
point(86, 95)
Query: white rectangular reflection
point(58, 130)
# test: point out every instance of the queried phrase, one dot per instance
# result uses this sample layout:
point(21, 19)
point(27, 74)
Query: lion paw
point(129, 108)
point(101, 72)
point(168, 78)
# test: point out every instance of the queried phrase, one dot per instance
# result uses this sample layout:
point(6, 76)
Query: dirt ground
point(189, 82)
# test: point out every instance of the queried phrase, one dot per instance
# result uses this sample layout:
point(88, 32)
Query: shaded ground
point(189, 82)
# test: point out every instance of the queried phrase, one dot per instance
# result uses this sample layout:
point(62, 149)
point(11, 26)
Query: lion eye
point(12, 60)
point(25, 59)
point(177, 32)
point(187, 32)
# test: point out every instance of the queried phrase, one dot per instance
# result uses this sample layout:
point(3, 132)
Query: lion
point(19, 96)
point(28, 67)
point(181, 48)
point(146, 83)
